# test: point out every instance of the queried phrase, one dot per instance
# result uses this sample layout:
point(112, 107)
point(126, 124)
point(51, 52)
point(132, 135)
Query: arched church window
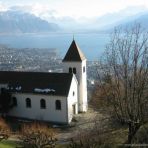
point(83, 69)
point(74, 70)
point(70, 70)
point(28, 103)
point(58, 105)
point(42, 104)
point(73, 93)
point(14, 101)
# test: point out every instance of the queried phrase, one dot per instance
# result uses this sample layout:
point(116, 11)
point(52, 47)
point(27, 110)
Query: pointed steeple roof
point(74, 53)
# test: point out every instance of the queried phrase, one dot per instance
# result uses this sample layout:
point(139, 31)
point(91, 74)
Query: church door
point(74, 109)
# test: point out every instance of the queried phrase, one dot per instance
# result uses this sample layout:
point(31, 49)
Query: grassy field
point(9, 144)
point(13, 144)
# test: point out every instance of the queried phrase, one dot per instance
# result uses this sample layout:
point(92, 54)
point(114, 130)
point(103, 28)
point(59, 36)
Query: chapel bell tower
point(75, 62)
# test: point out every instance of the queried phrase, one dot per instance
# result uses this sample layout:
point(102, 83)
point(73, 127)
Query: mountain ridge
point(19, 22)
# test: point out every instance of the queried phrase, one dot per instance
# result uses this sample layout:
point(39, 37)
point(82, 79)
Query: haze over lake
point(91, 44)
point(22, 23)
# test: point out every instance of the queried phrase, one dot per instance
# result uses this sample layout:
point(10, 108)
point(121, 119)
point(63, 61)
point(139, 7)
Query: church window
point(28, 103)
point(74, 70)
point(58, 104)
point(42, 104)
point(73, 93)
point(14, 101)
point(83, 69)
point(70, 70)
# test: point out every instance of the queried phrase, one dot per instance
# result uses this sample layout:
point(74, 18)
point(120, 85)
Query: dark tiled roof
point(36, 82)
point(74, 53)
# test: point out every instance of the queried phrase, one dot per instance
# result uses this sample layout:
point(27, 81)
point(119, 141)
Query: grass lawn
point(13, 144)
point(9, 144)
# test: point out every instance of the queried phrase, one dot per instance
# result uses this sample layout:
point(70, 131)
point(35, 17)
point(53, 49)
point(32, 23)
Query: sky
point(74, 8)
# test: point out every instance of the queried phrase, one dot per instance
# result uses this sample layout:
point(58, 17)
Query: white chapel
point(52, 97)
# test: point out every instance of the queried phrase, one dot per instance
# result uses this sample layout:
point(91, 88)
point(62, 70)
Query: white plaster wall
point(84, 87)
point(35, 112)
point(72, 99)
point(82, 82)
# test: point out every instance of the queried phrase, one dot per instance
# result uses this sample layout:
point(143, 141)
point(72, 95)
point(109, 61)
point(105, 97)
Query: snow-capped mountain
point(13, 21)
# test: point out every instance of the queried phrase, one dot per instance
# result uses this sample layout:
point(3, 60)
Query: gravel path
point(83, 121)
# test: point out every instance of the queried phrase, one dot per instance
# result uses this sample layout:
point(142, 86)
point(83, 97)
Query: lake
point(91, 44)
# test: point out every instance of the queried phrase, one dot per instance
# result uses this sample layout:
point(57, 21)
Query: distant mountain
point(23, 19)
point(22, 22)
point(108, 21)
point(92, 24)
point(142, 20)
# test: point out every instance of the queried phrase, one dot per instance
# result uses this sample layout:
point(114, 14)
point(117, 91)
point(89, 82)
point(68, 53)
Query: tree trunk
point(133, 128)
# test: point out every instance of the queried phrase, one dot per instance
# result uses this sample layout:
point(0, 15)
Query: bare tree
point(93, 137)
point(38, 136)
point(126, 64)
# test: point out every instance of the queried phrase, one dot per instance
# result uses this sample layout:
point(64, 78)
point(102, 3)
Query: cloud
point(44, 12)
point(3, 7)
point(36, 9)
point(73, 8)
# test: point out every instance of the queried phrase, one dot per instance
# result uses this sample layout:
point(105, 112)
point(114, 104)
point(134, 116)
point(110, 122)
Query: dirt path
point(83, 121)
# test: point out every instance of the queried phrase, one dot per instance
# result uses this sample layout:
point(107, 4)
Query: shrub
point(38, 135)
point(4, 130)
